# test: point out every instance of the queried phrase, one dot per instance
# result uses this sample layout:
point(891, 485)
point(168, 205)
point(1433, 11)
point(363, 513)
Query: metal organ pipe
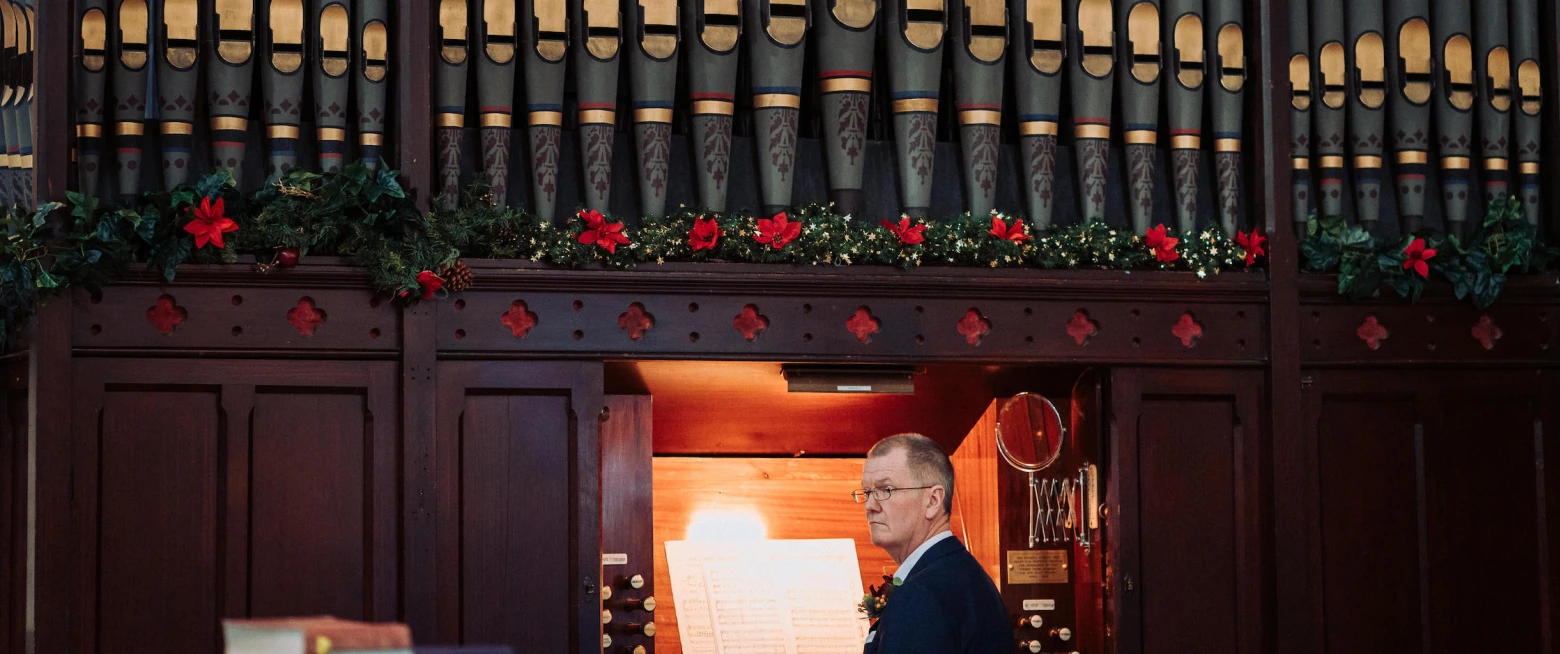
point(1327, 39)
point(177, 77)
point(332, 54)
point(131, 45)
point(1227, 34)
point(91, 76)
point(1529, 101)
point(545, 48)
point(1300, 80)
point(847, 33)
point(281, 81)
point(1408, 56)
point(1492, 69)
point(373, 68)
point(1038, 52)
point(597, 39)
point(652, 66)
point(915, 30)
point(1183, 30)
point(449, 104)
point(229, 65)
point(1454, 97)
point(1091, 41)
point(776, 33)
point(496, 92)
point(1367, 100)
point(1140, 25)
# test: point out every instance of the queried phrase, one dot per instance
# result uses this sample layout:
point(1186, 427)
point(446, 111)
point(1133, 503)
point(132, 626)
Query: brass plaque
point(1532, 91)
point(376, 51)
point(133, 23)
point(94, 39)
point(551, 18)
point(722, 25)
point(925, 23)
point(1232, 57)
point(1414, 51)
point(658, 31)
point(181, 32)
point(602, 36)
point(855, 14)
point(1332, 66)
point(1045, 24)
point(498, 20)
point(1037, 566)
point(286, 35)
point(1094, 22)
point(334, 33)
point(235, 30)
point(1189, 50)
point(452, 30)
point(1497, 68)
point(987, 26)
point(788, 21)
point(1370, 64)
point(1458, 60)
point(1143, 42)
point(1300, 81)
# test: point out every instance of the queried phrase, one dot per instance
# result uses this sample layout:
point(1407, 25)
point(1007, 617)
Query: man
point(941, 601)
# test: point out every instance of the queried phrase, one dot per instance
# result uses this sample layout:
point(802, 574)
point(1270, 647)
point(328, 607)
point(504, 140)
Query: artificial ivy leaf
point(45, 280)
point(387, 180)
point(82, 206)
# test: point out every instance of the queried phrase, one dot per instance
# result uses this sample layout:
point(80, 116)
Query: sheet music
point(767, 596)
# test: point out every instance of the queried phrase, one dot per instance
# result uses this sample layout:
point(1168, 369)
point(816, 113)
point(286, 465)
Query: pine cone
point(457, 278)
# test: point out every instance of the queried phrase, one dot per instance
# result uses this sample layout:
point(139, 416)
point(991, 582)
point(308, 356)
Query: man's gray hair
point(927, 462)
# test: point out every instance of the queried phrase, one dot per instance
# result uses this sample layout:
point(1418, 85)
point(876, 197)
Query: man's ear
point(934, 501)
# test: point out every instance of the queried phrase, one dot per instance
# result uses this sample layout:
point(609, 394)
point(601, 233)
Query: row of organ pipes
point(18, 33)
point(341, 47)
point(1103, 47)
point(1370, 74)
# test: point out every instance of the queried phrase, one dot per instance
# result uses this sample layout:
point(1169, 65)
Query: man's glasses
point(879, 494)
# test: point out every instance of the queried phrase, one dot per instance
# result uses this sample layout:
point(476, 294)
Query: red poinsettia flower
point(1252, 244)
point(1001, 230)
point(1162, 245)
point(210, 224)
point(600, 232)
point(907, 235)
point(430, 283)
point(778, 231)
point(1418, 257)
point(705, 234)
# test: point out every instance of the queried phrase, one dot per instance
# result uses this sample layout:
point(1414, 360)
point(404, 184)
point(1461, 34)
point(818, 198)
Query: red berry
point(287, 257)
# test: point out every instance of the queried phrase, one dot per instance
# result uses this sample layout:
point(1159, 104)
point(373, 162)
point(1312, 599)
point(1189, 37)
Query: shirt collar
point(904, 568)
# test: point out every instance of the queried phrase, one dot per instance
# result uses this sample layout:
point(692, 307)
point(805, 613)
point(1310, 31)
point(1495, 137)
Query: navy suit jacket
point(948, 605)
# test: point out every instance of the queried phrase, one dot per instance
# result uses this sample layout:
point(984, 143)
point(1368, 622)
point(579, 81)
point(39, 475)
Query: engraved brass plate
point(1189, 51)
point(376, 51)
point(1143, 39)
point(987, 26)
point(787, 23)
point(1094, 22)
point(1045, 23)
point(1300, 81)
point(1037, 566)
point(286, 35)
point(181, 32)
point(1497, 69)
point(1532, 91)
point(1232, 57)
point(855, 14)
point(551, 18)
point(721, 25)
point(602, 29)
point(1332, 67)
point(924, 23)
point(133, 23)
point(235, 30)
point(1414, 53)
point(453, 21)
point(498, 19)
point(658, 31)
point(94, 39)
point(334, 33)
point(1457, 57)
point(1370, 65)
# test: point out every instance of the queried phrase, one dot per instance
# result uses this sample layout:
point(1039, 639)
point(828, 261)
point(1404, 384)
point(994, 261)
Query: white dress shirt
point(904, 568)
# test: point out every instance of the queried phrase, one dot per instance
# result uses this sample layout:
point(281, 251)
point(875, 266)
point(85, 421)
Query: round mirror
point(1030, 432)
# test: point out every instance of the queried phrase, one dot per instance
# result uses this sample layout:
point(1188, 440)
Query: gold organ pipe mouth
point(1143, 39)
point(603, 33)
point(181, 33)
point(552, 29)
point(453, 24)
point(722, 23)
point(498, 24)
point(1528, 79)
point(286, 35)
point(1232, 57)
point(376, 51)
point(1189, 54)
point(1333, 84)
point(134, 22)
point(1457, 59)
point(855, 14)
point(986, 29)
point(1414, 50)
point(235, 30)
point(924, 23)
point(94, 40)
point(333, 35)
point(1045, 23)
point(1497, 70)
point(658, 32)
point(1097, 36)
point(1370, 65)
point(1300, 82)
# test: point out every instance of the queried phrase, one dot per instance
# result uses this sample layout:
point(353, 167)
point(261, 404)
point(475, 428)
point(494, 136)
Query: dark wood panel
point(627, 510)
point(13, 507)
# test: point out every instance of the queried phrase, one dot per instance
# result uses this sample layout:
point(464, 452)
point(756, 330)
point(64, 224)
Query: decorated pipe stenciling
point(449, 100)
point(1492, 69)
point(331, 56)
point(776, 32)
point(914, 30)
point(131, 40)
point(598, 36)
point(28, 45)
point(229, 64)
point(1454, 98)
point(1226, 34)
point(373, 66)
point(1183, 35)
point(1139, 24)
point(1300, 113)
point(1093, 46)
point(177, 79)
point(714, 31)
point(979, 29)
point(497, 38)
point(652, 66)
point(1332, 83)
point(544, 25)
point(1038, 53)
point(1413, 79)
point(1367, 104)
point(847, 33)
point(1525, 49)
point(90, 77)
point(281, 82)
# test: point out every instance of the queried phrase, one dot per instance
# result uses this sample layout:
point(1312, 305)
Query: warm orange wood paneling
point(976, 502)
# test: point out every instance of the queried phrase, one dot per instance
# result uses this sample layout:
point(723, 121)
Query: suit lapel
point(943, 548)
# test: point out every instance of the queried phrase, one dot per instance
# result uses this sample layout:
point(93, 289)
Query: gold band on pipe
point(779, 101)
point(1186, 142)
point(1038, 128)
point(13, 161)
point(1332, 161)
point(1496, 163)
point(451, 120)
point(282, 131)
point(1090, 131)
point(980, 117)
point(1455, 163)
point(845, 85)
point(177, 128)
point(545, 118)
point(332, 134)
point(1413, 157)
point(497, 120)
point(653, 115)
point(915, 105)
point(1367, 161)
point(129, 129)
point(1231, 145)
point(27, 161)
point(229, 124)
point(1529, 167)
point(1300, 163)
point(1141, 137)
point(371, 138)
point(89, 130)
point(598, 117)
point(714, 107)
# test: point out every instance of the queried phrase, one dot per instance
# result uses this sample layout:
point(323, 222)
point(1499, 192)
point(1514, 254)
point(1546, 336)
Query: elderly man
point(940, 601)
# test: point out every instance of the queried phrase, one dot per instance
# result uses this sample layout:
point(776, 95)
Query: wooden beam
point(414, 21)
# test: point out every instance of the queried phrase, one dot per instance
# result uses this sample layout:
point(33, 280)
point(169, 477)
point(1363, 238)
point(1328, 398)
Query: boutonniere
point(876, 599)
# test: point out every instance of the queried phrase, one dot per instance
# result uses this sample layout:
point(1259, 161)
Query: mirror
point(1030, 432)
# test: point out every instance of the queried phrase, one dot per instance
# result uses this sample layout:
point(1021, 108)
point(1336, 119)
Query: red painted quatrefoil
point(636, 321)
point(1081, 328)
point(750, 322)
point(1487, 332)
point(863, 325)
point(519, 319)
point(1187, 329)
point(166, 314)
point(974, 326)
point(305, 316)
point(1372, 332)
